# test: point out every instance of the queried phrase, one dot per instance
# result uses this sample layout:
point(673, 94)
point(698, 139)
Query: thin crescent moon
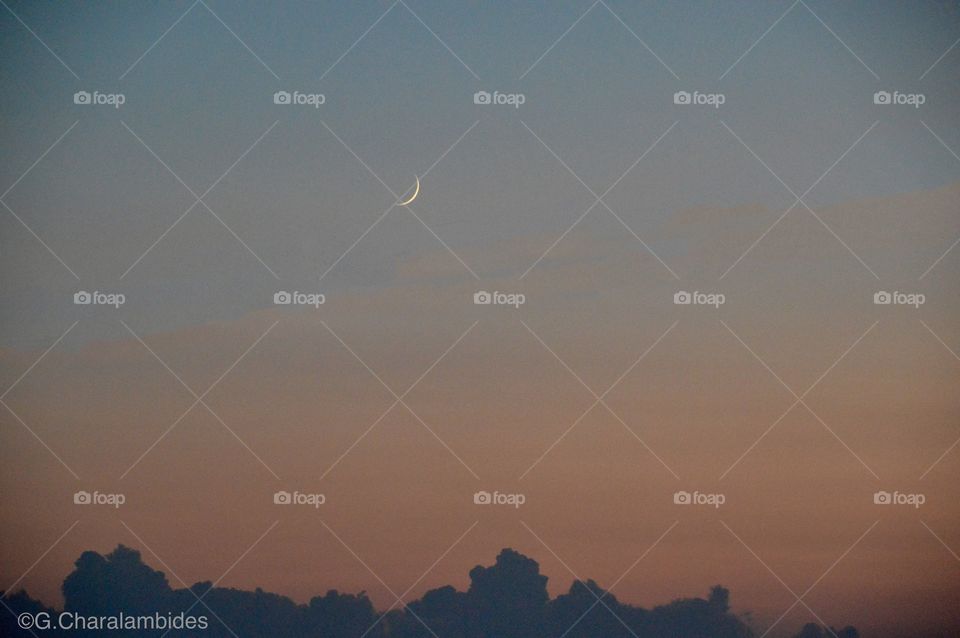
point(416, 192)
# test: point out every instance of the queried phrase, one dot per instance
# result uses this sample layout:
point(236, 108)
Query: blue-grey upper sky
point(400, 93)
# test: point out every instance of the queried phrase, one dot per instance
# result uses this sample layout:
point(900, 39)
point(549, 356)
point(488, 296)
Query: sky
point(598, 199)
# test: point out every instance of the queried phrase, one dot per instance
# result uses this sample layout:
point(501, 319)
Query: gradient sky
point(490, 208)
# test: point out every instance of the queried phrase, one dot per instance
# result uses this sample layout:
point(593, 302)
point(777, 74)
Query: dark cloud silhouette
point(508, 599)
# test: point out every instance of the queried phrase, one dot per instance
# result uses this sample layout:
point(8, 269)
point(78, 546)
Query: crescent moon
point(416, 192)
